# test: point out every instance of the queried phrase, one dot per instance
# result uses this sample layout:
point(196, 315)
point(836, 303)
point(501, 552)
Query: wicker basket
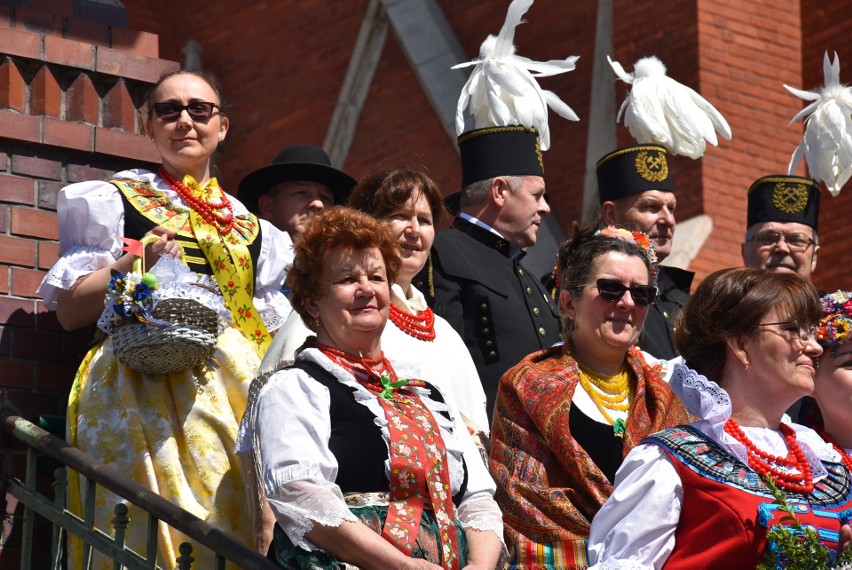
point(189, 339)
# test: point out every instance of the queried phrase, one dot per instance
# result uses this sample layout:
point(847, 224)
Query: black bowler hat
point(496, 151)
point(784, 198)
point(297, 162)
point(632, 170)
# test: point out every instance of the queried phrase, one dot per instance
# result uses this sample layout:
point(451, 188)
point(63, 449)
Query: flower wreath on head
point(638, 238)
point(833, 329)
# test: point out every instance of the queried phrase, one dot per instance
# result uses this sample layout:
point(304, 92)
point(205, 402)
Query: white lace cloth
point(288, 428)
point(175, 280)
point(623, 534)
point(91, 223)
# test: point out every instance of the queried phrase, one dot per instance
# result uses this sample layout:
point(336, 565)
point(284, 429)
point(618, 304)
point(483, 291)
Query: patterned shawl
point(547, 485)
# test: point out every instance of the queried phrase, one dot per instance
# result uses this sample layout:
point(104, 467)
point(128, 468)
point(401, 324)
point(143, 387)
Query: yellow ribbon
point(227, 255)
point(232, 267)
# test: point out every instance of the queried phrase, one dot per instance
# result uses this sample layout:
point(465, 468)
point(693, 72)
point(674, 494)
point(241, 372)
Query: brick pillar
point(70, 91)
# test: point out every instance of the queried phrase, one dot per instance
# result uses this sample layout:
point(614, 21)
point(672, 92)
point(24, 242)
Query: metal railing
point(40, 442)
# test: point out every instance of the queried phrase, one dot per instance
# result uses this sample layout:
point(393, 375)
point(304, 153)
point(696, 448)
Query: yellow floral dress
point(173, 433)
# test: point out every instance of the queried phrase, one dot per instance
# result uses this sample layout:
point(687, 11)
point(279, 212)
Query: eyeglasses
point(612, 290)
point(769, 238)
point(796, 331)
point(200, 111)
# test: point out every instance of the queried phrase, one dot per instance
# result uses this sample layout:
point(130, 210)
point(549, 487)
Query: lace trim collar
point(710, 402)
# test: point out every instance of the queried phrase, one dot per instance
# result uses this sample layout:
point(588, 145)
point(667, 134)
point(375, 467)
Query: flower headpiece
point(638, 238)
point(833, 329)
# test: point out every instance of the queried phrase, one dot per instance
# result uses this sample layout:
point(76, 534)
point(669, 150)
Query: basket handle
point(139, 261)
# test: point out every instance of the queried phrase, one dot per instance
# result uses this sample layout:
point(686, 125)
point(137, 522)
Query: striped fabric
point(563, 555)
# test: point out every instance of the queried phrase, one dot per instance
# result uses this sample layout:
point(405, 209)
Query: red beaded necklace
point(843, 455)
point(370, 366)
point(208, 210)
point(764, 463)
point(421, 327)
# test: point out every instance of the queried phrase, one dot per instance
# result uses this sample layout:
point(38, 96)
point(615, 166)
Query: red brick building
point(72, 75)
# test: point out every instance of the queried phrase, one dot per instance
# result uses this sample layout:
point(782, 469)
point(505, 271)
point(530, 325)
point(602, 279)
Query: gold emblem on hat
point(538, 152)
point(652, 166)
point(790, 198)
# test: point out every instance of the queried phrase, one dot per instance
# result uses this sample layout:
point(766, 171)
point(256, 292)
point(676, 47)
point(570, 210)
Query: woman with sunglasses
point(566, 416)
point(173, 433)
point(698, 495)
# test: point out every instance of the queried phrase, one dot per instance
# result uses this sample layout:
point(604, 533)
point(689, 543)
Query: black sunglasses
point(198, 110)
point(612, 290)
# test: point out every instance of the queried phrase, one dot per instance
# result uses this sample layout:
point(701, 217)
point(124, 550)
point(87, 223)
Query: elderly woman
point(173, 433)
point(411, 203)
point(697, 496)
point(566, 416)
point(361, 462)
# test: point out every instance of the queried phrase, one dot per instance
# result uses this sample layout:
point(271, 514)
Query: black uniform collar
point(485, 237)
point(676, 277)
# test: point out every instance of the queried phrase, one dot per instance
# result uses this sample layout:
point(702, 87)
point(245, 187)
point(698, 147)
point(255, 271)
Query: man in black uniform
point(783, 212)
point(781, 235)
point(637, 193)
point(475, 278)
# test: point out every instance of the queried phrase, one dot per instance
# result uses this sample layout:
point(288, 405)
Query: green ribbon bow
point(618, 428)
point(389, 386)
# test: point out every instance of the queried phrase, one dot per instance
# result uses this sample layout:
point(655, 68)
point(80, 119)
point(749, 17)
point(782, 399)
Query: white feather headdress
point(502, 89)
point(659, 110)
point(827, 144)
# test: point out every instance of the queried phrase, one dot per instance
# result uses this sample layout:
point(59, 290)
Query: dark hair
point(207, 76)
point(732, 302)
point(576, 255)
point(386, 191)
point(334, 228)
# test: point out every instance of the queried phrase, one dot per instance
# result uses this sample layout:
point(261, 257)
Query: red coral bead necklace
point(352, 363)
point(421, 327)
point(801, 480)
point(207, 209)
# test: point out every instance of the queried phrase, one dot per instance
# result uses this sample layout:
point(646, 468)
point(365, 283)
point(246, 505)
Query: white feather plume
point(502, 89)
point(827, 144)
point(659, 110)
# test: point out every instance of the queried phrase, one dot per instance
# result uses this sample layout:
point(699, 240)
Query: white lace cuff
point(481, 513)
point(300, 503)
point(78, 261)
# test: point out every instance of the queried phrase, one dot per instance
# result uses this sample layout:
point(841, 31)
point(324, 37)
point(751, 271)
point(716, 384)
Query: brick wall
point(69, 93)
point(283, 63)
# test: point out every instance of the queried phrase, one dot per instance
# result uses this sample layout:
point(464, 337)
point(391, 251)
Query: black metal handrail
point(159, 508)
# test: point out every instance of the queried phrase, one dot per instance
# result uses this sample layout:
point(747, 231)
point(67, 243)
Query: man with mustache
point(637, 193)
point(475, 278)
point(783, 212)
point(299, 182)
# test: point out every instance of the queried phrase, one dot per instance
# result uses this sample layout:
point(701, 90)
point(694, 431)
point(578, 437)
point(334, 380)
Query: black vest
point(356, 441)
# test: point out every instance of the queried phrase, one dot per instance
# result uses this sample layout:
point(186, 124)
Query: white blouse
point(624, 534)
point(289, 428)
point(444, 362)
point(91, 223)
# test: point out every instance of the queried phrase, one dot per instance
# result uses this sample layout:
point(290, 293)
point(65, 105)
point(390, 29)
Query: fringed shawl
point(547, 485)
